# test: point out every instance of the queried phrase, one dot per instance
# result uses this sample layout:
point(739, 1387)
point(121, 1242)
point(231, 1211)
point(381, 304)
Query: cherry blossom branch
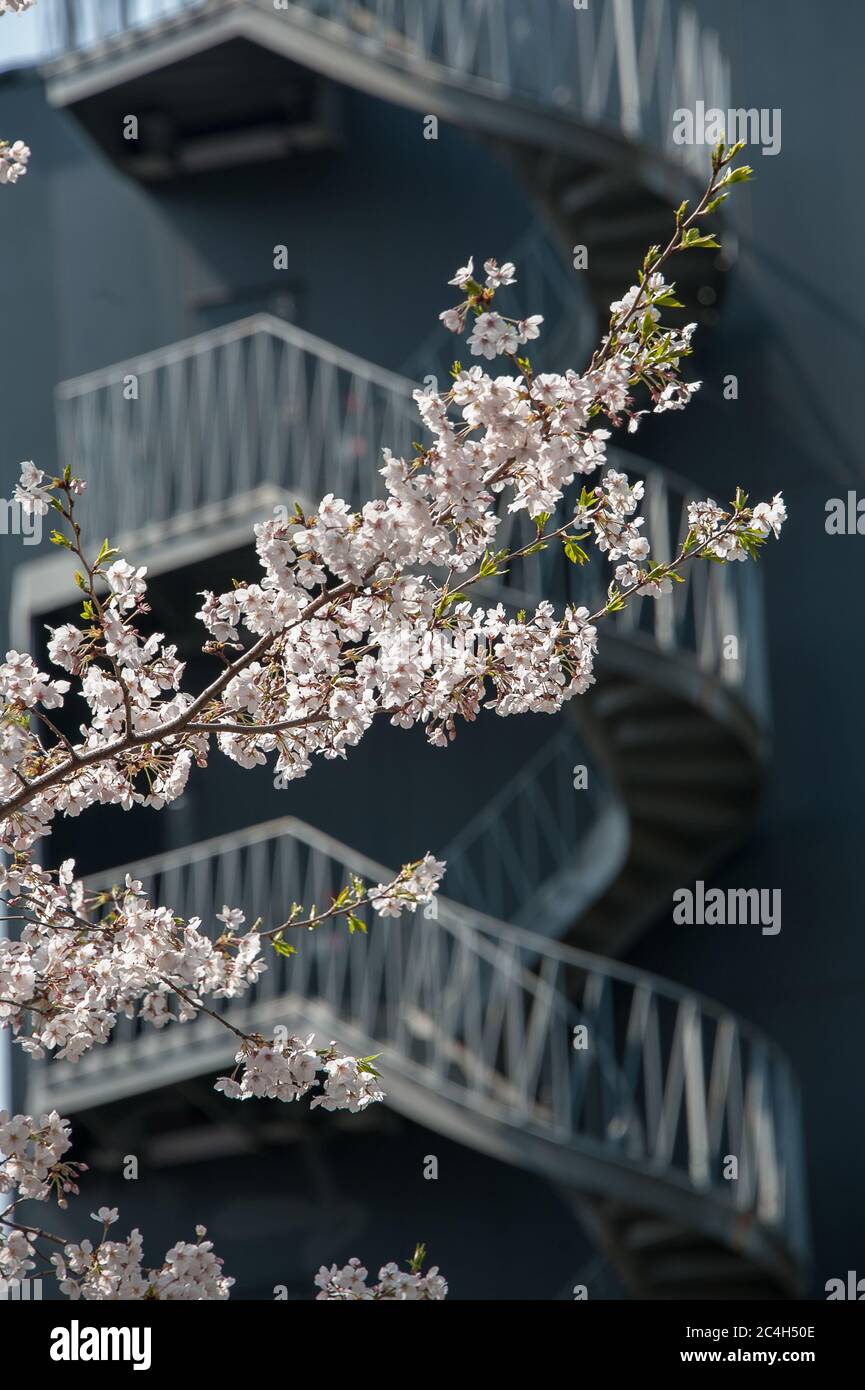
point(686, 236)
point(339, 633)
point(147, 954)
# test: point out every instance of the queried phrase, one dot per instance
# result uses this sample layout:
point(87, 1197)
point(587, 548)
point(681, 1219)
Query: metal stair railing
point(79, 26)
point(625, 65)
point(542, 850)
point(220, 414)
point(476, 1022)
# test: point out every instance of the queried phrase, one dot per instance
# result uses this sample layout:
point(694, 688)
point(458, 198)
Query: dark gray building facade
point(230, 253)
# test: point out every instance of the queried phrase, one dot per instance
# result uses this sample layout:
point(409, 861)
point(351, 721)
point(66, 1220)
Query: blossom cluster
point(349, 1284)
point(14, 157)
point(83, 958)
point(634, 350)
point(113, 1270)
point(74, 970)
point(288, 1070)
point(341, 625)
point(492, 333)
point(706, 520)
point(32, 1165)
point(32, 1157)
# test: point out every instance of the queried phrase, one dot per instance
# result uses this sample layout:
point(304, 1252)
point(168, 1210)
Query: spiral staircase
point(478, 1010)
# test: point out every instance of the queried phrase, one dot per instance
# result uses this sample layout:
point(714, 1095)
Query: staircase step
point(615, 698)
point(718, 770)
point(701, 1264)
point(582, 194)
point(663, 854)
point(697, 816)
point(750, 1288)
point(647, 1233)
point(635, 227)
point(674, 729)
point(636, 888)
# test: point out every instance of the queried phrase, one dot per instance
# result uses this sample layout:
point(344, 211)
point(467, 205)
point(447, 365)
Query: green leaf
point(356, 924)
point(457, 597)
point(689, 543)
point(574, 552)
point(743, 174)
point(57, 538)
point(282, 948)
point(105, 551)
point(693, 239)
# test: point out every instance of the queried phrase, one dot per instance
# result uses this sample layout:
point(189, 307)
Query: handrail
point(626, 65)
point(224, 336)
point(352, 861)
point(224, 412)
